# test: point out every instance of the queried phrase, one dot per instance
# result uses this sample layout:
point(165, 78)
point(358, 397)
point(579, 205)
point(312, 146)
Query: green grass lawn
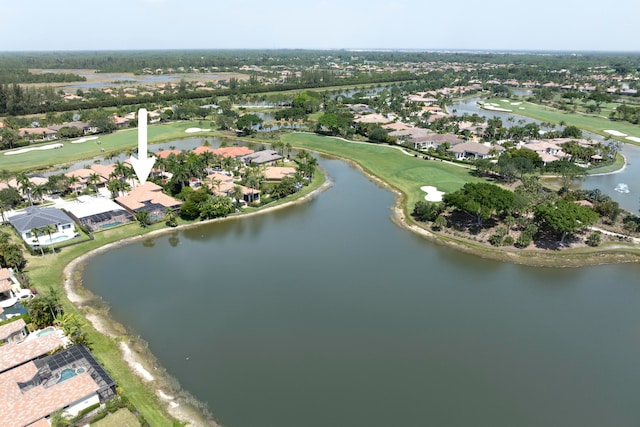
point(590, 123)
point(120, 418)
point(405, 173)
point(117, 141)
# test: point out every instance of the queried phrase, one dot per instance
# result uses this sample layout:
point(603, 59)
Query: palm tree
point(237, 194)
point(71, 180)
point(171, 217)
point(94, 179)
point(120, 170)
point(36, 239)
point(25, 185)
point(49, 228)
point(38, 191)
point(143, 218)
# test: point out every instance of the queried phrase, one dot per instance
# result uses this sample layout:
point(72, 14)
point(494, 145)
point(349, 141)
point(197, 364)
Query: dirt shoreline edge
point(133, 350)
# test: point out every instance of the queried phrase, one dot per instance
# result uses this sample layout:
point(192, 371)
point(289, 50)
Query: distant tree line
point(16, 100)
point(19, 75)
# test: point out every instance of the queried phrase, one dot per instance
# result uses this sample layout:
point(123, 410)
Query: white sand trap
point(492, 108)
point(85, 139)
point(516, 103)
point(433, 195)
point(194, 130)
point(520, 108)
point(633, 138)
point(504, 100)
point(26, 150)
point(615, 132)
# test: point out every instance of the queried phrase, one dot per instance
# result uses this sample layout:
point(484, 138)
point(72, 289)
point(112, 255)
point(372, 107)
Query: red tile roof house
point(276, 173)
point(15, 353)
point(148, 197)
point(233, 151)
point(13, 332)
point(70, 380)
point(83, 176)
point(224, 188)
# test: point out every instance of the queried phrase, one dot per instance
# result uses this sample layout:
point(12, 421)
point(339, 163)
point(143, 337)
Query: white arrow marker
point(143, 164)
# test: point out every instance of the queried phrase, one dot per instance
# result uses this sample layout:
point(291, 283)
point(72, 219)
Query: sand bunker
point(492, 108)
point(26, 150)
point(85, 139)
point(433, 195)
point(615, 132)
point(194, 130)
point(633, 138)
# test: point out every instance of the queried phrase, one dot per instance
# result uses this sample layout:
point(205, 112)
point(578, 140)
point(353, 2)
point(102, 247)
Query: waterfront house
point(31, 223)
point(261, 157)
point(98, 213)
point(15, 353)
point(276, 173)
point(148, 197)
point(68, 381)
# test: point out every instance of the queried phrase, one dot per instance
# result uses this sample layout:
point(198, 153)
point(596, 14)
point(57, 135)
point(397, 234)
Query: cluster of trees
point(23, 75)
point(201, 203)
point(11, 254)
point(529, 211)
point(626, 113)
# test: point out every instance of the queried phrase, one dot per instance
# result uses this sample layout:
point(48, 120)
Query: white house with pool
point(32, 226)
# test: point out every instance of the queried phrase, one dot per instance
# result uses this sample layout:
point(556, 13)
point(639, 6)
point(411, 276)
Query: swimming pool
point(45, 332)
point(111, 224)
point(66, 374)
point(69, 373)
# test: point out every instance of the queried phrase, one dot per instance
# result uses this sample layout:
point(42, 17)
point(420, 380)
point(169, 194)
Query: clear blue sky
point(333, 24)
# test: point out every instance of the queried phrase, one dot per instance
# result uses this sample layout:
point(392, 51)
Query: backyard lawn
point(120, 418)
point(405, 173)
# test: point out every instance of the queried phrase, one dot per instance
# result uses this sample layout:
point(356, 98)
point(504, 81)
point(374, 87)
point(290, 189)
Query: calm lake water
point(328, 313)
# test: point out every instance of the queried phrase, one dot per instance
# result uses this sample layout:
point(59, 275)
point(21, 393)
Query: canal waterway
point(328, 313)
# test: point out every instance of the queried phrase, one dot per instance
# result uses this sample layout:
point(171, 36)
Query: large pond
point(328, 313)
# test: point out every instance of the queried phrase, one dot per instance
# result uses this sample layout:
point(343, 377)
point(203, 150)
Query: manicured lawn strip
point(404, 173)
point(120, 418)
point(593, 124)
point(615, 166)
point(117, 141)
